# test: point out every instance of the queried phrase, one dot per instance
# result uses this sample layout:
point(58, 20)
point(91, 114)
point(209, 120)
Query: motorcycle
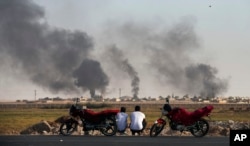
point(104, 121)
point(180, 119)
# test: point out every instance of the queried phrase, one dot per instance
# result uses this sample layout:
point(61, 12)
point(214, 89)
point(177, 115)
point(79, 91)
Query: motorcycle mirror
point(77, 100)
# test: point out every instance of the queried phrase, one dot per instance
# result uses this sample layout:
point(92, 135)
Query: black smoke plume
point(117, 57)
point(171, 58)
point(91, 76)
point(48, 56)
point(203, 77)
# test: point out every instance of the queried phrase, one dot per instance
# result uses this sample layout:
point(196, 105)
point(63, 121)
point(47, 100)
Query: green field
point(14, 120)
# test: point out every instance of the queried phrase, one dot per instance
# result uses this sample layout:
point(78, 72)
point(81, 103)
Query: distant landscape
point(185, 98)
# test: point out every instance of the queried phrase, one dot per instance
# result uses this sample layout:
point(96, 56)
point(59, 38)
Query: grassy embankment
point(14, 120)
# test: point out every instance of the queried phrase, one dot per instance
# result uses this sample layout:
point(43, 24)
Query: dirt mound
point(39, 128)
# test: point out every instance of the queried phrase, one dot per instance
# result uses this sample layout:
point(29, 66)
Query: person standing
point(121, 119)
point(138, 121)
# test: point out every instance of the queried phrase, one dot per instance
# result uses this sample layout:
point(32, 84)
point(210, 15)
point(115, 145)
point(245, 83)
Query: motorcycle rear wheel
point(68, 127)
point(156, 129)
point(111, 128)
point(201, 128)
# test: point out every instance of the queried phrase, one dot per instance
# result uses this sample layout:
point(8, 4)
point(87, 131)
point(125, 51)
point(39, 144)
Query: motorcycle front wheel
point(200, 129)
point(156, 129)
point(68, 127)
point(110, 127)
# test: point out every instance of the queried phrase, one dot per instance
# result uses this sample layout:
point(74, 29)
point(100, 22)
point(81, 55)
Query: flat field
point(14, 120)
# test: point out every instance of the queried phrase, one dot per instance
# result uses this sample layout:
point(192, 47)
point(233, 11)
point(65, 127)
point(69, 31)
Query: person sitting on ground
point(121, 119)
point(138, 121)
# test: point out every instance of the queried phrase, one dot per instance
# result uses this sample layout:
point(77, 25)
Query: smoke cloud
point(91, 76)
point(203, 77)
point(168, 54)
point(48, 56)
point(172, 61)
point(60, 60)
point(117, 57)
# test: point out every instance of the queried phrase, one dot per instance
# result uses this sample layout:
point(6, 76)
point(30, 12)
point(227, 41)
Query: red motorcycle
point(182, 120)
point(104, 121)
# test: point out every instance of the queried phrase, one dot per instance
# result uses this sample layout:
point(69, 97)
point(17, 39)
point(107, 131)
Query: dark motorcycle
point(103, 121)
point(182, 120)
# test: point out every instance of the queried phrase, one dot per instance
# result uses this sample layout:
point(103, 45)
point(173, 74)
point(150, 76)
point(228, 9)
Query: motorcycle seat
point(89, 112)
point(202, 111)
point(186, 117)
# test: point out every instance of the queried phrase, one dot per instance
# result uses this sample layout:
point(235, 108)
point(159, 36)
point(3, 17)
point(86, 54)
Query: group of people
point(137, 121)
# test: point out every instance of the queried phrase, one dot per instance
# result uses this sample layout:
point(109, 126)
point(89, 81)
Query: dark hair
point(137, 108)
point(123, 109)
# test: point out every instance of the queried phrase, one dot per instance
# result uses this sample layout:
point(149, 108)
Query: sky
point(137, 48)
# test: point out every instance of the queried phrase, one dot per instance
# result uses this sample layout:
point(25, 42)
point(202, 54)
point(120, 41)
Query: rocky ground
point(217, 128)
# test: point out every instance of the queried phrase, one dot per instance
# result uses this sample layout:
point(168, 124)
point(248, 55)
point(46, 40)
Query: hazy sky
point(219, 31)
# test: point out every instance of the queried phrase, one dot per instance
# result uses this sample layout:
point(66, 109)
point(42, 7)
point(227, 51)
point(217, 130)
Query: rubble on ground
point(42, 127)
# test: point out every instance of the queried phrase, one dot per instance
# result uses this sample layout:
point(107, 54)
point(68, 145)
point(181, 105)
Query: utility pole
point(35, 95)
point(120, 90)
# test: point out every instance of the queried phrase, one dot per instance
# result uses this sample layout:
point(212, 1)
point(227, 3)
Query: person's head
point(123, 109)
point(137, 108)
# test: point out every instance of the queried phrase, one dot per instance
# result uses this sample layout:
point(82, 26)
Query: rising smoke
point(173, 62)
point(117, 57)
point(48, 56)
point(59, 60)
point(169, 52)
point(91, 76)
point(202, 77)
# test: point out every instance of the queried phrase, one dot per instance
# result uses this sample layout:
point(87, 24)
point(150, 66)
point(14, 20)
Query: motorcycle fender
point(160, 121)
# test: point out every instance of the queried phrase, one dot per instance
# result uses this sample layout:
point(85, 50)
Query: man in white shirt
point(138, 121)
point(121, 119)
